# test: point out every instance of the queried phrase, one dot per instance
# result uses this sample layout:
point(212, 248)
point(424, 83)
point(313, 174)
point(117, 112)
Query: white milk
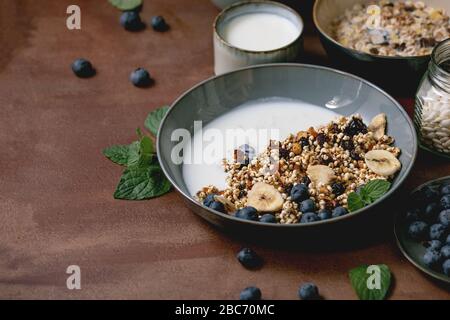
point(260, 31)
point(278, 117)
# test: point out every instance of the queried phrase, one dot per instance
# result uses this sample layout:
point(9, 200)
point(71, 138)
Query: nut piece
point(382, 162)
point(296, 149)
point(320, 174)
point(265, 198)
point(378, 126)
point(229, 206)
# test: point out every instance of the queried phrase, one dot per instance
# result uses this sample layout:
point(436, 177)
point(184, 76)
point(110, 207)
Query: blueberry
point(448, 239)
point(339, 212)
point(444, 217)
point(268, 218)
point(250, 293)
point(141, 78)
point(445, 189)
point(248, 258)
point(437, 231)
point(209, 200)
point(445, 201)
point(446, 267)
point(308, 291)
point(412, 215)
point(434, 245)
point(299, 193)
point(218, 206)
point(337, 188)
point(430, 212)
point(83, 68)
point(431, 258)
point(304, 142)
point(429, 193)
point(309, 217)
point(307, 205)
point(354, 127)
point(159, 24)
point(324, 214)
point(131, 21)
point(445, 251)
point(418, 230)
point(247, 213)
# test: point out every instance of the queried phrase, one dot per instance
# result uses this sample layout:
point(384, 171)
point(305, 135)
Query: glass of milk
point(256, 32)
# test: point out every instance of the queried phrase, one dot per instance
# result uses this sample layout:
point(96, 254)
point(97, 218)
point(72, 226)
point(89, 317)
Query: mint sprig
point(154, 119)
point(371, 282)
point(126, 5)
point(367, 194)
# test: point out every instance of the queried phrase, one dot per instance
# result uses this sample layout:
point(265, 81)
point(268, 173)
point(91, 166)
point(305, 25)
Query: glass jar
point(432, 109)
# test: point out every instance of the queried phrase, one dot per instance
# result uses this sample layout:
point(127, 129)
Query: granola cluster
point(407, 28)
point(338, 147)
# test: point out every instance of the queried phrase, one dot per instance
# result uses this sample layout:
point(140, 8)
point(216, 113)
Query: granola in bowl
point(309, 175)
point(405, 28)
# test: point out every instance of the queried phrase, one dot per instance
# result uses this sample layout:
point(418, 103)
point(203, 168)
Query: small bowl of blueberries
point(423, 231)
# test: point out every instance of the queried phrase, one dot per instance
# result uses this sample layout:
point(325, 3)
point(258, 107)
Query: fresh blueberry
point(209, 200)
point(435, 245)
point(339, 212)
point(446, 267)
point(444, 217)
point(218, 206)
point(248, 258)
point(445, 201)
point(141, 78)
point(250, 293)
point(159, 24)
point(308, 291)
point(307, 205)
point(309, 217)
point(131, 21)
point(299, 193)
point(430, 212)
point(418, 230)
point(337, 188)
point(412, 215)
point(437, 231)
point(324, 214)
point(268, 218)
point(429, 193)
point(448, 239)
point(83, 68)
point(445, 251)
point(431, 258)
point(247, 213)
point(445, 189)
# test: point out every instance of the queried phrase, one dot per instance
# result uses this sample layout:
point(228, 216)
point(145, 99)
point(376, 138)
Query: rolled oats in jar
point(432, 110)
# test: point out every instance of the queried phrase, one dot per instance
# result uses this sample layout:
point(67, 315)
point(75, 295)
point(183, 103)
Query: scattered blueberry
point(308, 291)
point(418, 230)
point(445, 201)
point(248, 258)
point(430, 212)
point(307, 205)
point(431, 258)
point(131, 21)
point(159, 24)
point(247, 213)
point(437, 231)
point(250, 293)
point(299, 193)
point(445, 189)
point(324, 214)
point(448, 239)
point(141, 78)
point(209, 200)
point(446, 267)
point(354, 127)
point(435, 245)
point(339, 211)
point(83, 68)
point(445, 251)
point(268, 218)
point(430, 193)
point(444, 217)
point(309, 217)
point(218, 206)
point(337, 188)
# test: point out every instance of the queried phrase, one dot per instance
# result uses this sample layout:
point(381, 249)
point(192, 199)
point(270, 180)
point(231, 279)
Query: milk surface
point(260, 31)
point(278, 117)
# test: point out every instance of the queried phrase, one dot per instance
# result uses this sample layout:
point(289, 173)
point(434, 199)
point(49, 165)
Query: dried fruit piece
point(229, 206)
point(265, 198)
point(296, 148)
point(382, 162)
point(320, 174)
point(378, 126)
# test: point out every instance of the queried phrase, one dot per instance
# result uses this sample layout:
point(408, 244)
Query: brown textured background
point(56, 204)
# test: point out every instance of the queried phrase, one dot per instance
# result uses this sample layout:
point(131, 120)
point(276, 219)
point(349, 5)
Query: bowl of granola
point(286, 151)
point(386, 41)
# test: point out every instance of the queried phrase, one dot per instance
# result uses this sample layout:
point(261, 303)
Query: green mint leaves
point(371, 282)
point(126, 5)
point(154, 119)
point(367, 194)
point(143, 178)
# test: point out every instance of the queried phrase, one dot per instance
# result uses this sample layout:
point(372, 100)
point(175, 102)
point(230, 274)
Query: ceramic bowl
point(315, 85)
point(398, 75)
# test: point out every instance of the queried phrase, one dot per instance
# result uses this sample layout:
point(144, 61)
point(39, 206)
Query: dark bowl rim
point(350, 215)
point(331, 39)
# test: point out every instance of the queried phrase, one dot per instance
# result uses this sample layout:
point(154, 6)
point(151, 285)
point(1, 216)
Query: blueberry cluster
point(429, 221)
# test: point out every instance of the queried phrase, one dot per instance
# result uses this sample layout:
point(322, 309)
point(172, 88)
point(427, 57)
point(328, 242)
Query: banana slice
point(265, 198)
point(320, 174)
point(382, 162)
point(378, 126)
point(229, 206)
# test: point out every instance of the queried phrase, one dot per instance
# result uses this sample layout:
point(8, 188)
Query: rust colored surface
point(56, 204)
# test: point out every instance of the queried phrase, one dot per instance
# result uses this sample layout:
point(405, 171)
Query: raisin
point(284, 154)
point(321, 139)
point(374, 51)
point(354, 155)
point(347, 145)
point(306, 180)
point(354, 127)
point(304, 142)
point(427, 42)
point(337, 188)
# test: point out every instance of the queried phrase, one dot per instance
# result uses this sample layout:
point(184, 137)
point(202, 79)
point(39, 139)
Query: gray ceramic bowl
point(400, 75)
point(312, 84)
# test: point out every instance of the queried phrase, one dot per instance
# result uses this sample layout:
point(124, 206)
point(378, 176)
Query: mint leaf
point(371, 282)
point(142, 182)
point(123, 154)
point(355, 202)
point(153, 120)
point(375, 189)
point(126, 5)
